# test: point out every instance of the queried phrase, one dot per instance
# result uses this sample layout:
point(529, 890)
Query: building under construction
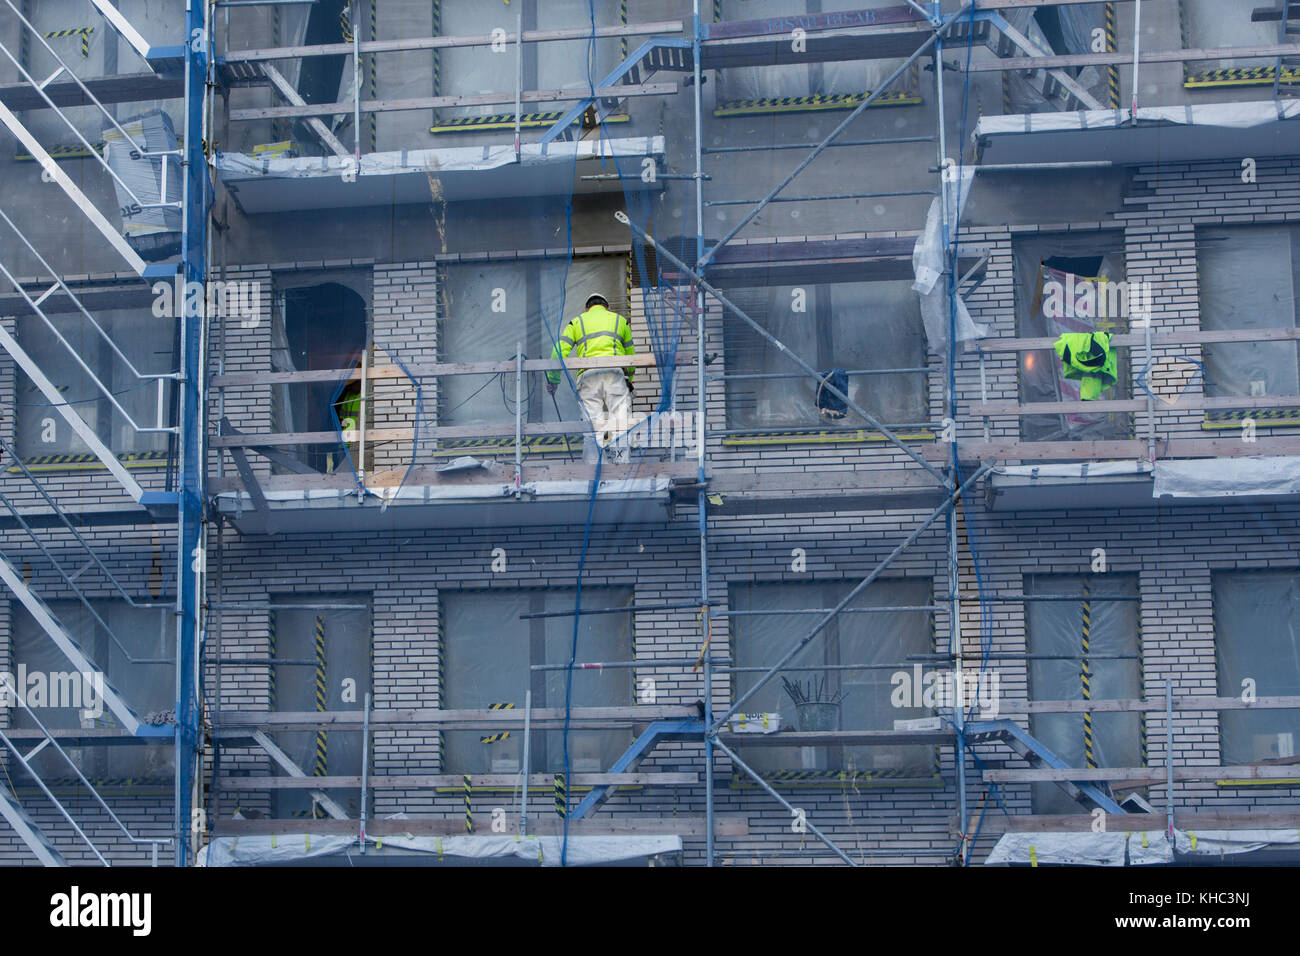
point(958, 521)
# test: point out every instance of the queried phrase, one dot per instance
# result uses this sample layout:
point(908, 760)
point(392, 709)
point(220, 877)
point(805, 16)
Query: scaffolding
point(936, 480)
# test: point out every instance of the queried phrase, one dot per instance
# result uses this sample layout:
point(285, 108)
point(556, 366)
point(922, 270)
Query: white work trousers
point(608, 402)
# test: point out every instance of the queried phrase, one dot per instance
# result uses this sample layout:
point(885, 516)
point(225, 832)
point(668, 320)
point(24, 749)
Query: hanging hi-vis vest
point(594, 333)
point(1087, 356)
point(348, 407)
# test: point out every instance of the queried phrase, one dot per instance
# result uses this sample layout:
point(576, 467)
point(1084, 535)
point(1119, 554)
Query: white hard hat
point(593, 297)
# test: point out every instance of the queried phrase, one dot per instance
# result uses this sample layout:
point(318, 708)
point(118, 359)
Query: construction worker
point(606, 393)
point(348, 410)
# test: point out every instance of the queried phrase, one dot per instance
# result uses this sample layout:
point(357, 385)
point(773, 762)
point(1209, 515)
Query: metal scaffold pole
point(190, 555)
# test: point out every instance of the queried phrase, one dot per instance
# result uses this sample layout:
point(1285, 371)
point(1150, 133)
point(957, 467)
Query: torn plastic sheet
point(1227, 477)
point(154, 232)
point(494, 849)
point(1228, 842)
point(929, 264)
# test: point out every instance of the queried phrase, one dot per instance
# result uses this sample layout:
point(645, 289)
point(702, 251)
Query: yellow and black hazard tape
point(819, 437)
point(83, 32)
point(456, 124)
point(455, 447)
point(146, 459)
point(829, 778)
point(1085, 676)
point(1112, 72)
point(469, 793)
point(270, 642)
point(803, 104)
point(320, 768)
point(1263, 417)
point(63, 152)
point(561, 796)
point(374, 78)
point(345, 26)
point(497, 738)
point(1241, 76)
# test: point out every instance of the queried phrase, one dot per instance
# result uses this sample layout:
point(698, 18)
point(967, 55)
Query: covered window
point(489, 309)
point(870, 698)
point(1257, 646)
point(1082, 648)
point(1060, 30)
point(132, 650)
point(552, 65)
point(1230, 23)
point(44, 437)
point(488, 648)
point(1248, 280)
point(782, 86)
point(1069, 284)
point(860, 327)
point(320, 321)
point(324, 653)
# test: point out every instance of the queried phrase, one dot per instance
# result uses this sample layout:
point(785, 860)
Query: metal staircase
point(1032, 750)
point(176, 71)
point(658, 732)
point(658, 54)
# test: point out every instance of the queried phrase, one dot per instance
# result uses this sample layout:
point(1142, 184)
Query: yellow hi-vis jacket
point(594, 333)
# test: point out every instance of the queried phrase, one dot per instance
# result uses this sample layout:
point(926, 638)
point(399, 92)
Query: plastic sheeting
point(1257, 640)
point(488, 650)
point(491, 309)
point(1227, 478)
point(1089, 261)
point(497, 850)
point(1227, 115)
point(929, 267)
point(135, 658)
point(42, 431)
point(880, 642)
point(1056, 628)
point(319, 321)
point(1213, 23)
point(555, 65)
point(155, 233)
point(854, 77)
point(1130, 848)
point(1072, 29)
point(345, 679)
point(1248, 280)
point(859, 326)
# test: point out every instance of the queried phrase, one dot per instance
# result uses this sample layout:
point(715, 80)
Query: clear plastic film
point(1082, 650)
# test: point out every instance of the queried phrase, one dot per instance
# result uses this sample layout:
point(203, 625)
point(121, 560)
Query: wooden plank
point(1134, 704)
point(501, 471)
point(479, 780)
point(847, 738)
point(246, 379)
point(1114, 450)
point(1143, 776)
point(397, 434)
point(439, 102)
point(288, 92)
point(1268, 50)
point(1162, 340)
point(545, 823)
point(122, 88)
point(1102, 406)
point(401, 718)
point(997, 823)
point(434, 43)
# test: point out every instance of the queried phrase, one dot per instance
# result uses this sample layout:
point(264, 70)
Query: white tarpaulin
point(1227, 477)
point(501, 849)
point(1130, 848)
